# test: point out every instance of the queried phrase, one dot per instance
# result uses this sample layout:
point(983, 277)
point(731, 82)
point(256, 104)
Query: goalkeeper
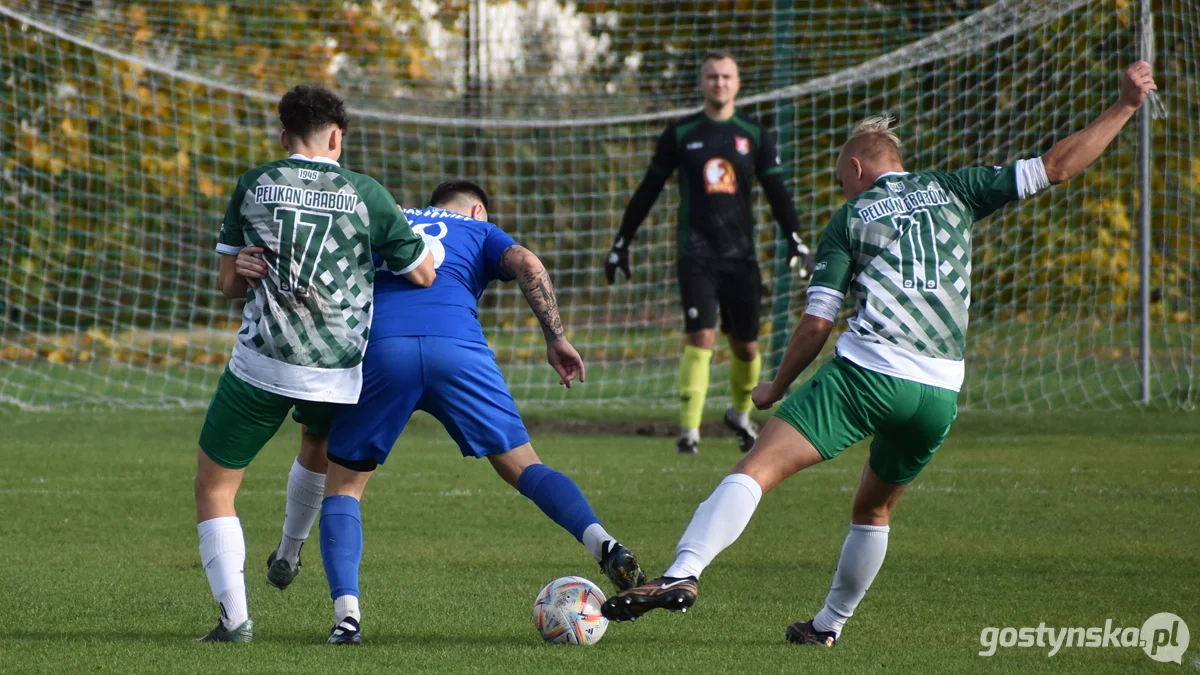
point(716, 151)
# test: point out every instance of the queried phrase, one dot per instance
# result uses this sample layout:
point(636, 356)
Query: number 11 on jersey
point(302, 237)
point(918, 249)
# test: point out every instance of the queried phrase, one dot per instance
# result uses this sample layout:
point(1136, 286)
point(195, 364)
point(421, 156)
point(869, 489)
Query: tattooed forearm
point(539, 292)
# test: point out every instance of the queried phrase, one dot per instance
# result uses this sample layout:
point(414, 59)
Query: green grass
point(1068, 520)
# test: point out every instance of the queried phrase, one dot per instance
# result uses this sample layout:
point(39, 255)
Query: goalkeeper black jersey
point(716, 162)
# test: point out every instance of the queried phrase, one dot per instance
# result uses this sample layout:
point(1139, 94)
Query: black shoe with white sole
point(676, 595)
point(745, 430)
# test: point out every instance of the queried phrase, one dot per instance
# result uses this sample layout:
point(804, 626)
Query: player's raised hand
point(618, 259)
point(765, 395)
point(249, 265)
point(565, 360)
point(1137, 84)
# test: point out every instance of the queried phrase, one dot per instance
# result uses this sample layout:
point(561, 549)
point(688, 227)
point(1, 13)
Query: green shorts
point(242, 418)
point(844, 403)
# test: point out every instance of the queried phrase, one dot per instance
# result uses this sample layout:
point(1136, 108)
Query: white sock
point(594, 538)
point(862, 556)
point(346, 606)
point(718, 522)
point(692, 435)
point(305, 490)
point(223, 555)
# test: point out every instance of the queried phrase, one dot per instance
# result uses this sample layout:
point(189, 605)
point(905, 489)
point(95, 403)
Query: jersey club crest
point(719, 177)
point(742, 144)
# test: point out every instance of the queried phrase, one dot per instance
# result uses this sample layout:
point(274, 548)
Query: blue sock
point(558, 497)
point(341, 544)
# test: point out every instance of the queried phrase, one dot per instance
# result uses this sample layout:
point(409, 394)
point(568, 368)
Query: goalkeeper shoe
point(243, 633)
point(746, 431)
point(662, 593)
point(803, 633)
point(620, 565)
point(687, 446)
point(346, 632)
point(281, 573)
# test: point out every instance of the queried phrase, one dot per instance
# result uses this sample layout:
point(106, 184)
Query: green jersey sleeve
point(233, 233)
point(834, 265)
point(984, 189)
point(391, 235)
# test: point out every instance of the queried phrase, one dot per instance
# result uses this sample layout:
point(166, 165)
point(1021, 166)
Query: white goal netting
point(123, 126)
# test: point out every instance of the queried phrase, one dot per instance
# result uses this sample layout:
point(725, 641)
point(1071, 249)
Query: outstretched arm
point(640, 204)
point(789, 223)
point(635, 213)
point(1070, 156)
point(519, 263)
point(661, 166)
point(804, 347)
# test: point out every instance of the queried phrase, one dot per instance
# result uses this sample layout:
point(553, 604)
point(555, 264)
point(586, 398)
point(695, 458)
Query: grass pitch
point(1019, 520)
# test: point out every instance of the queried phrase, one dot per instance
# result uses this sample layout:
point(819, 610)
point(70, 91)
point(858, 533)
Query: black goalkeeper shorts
point(734, 285)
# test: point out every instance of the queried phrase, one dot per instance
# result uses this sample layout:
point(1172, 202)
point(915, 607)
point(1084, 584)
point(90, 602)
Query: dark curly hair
point(305, 110)
point(452, 189)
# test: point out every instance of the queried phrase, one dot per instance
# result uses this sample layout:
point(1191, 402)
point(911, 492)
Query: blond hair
point(873, 137)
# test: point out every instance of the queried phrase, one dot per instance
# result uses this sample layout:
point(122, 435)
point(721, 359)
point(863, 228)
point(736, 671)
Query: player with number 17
point(305, 324)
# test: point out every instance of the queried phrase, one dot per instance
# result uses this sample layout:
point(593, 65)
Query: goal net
point(124, 125)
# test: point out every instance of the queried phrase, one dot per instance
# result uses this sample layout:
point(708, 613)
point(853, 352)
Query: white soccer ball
point(567, 612)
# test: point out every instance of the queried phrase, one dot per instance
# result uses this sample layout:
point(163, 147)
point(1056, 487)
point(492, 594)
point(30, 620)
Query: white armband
point(1031, 177)
point(824, 303)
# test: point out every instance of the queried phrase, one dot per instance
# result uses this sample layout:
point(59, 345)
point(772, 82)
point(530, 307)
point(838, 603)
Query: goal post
point(123, 128)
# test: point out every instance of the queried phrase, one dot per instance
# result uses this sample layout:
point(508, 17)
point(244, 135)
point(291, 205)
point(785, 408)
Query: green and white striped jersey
point(305, 327)
point(902, 250)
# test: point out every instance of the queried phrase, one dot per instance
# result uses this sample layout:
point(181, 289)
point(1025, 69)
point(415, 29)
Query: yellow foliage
point(100, 337)
point(208, 187)
point(208, 359)
point(416, 70)
point(1111, 213)
point(59, 356)
point(68, 128)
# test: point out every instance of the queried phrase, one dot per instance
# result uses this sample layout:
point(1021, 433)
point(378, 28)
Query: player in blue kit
point(427, 352)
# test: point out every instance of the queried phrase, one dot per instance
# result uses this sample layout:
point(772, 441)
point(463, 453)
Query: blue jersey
point(466, 254)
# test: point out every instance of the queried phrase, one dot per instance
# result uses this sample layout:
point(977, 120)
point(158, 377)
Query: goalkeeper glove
point(799, 257)
point(618, 258)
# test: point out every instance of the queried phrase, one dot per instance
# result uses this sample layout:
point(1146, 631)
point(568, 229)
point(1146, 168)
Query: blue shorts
point(456, 381)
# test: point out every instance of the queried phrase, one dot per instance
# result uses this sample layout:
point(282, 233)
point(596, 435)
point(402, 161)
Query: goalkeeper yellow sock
point(693, 385)
point(743, 377)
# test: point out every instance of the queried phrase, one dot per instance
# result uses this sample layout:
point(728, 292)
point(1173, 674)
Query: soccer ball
point(567, 612)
